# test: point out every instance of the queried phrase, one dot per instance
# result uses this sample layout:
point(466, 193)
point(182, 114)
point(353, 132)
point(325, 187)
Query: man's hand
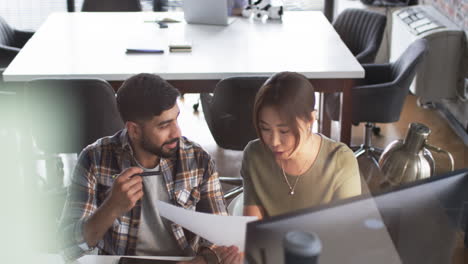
point(126, 191)
point(226, 255)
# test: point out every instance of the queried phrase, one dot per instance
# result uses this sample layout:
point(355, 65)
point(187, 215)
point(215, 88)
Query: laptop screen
point(415, 223)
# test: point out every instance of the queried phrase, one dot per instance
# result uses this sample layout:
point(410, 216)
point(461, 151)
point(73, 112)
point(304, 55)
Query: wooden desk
point(92, 45)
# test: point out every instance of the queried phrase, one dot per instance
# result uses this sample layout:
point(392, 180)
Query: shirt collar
point(125, 141)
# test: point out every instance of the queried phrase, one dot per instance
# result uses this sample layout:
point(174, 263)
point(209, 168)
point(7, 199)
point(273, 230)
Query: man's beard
point(159, 151)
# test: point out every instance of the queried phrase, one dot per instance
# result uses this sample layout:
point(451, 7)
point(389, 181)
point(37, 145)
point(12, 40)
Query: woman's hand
point(253, 210)
point(229, 255)
point(226, 255)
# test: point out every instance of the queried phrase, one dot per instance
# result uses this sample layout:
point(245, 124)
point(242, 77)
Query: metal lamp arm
point(439, 150)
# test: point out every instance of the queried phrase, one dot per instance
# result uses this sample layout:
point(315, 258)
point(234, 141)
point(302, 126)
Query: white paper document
point(220, 230)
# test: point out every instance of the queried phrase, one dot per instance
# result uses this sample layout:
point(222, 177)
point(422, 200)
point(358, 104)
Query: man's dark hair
point(143, 96)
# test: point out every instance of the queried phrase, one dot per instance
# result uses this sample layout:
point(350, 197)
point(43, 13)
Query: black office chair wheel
point(425, 104)
point(376, 130)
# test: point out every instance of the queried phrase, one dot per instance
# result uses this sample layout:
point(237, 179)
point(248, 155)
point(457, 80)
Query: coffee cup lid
point(302, 243)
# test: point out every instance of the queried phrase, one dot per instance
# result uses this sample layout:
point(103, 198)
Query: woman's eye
point(284, 131)
point(264, 129)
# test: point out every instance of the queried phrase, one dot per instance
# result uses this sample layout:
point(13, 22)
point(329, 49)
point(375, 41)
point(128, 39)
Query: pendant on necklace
point(291, 193)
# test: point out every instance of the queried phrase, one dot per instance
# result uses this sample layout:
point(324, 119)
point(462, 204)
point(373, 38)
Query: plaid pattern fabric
point(191, 180)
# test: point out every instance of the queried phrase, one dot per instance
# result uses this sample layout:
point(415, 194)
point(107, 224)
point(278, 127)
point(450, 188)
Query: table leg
point(324, 119)
point(345, 117)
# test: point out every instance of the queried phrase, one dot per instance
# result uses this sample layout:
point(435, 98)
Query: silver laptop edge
point(208, 12)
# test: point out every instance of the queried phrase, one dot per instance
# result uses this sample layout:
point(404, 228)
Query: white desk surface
point(96, 259)
point(75, 45)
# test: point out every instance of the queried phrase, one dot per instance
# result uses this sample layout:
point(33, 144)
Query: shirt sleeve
point(250, 197)
point(349, 179)
point(211, 195)
point(80, 204)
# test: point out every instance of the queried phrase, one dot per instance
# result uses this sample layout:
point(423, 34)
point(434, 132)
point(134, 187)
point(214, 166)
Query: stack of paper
point(220, 230)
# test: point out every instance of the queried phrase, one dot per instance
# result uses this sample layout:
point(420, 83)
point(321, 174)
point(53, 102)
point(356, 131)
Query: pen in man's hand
point(143, 174)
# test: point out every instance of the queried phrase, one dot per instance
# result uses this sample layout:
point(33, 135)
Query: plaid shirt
point(191, 180)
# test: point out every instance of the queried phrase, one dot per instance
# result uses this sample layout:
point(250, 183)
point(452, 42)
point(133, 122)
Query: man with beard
point(112, 207)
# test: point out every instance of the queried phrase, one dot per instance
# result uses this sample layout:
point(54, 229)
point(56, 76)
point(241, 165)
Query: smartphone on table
point(128, 260)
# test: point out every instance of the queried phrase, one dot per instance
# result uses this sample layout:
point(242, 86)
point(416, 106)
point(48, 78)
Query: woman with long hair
point(289, 167)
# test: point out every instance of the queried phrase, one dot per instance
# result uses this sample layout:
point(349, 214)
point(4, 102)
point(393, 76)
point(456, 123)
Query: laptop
point(414, 223)
point(209, 12)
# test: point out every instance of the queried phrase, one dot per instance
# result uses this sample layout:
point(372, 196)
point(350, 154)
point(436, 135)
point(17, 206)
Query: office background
point(29, 14)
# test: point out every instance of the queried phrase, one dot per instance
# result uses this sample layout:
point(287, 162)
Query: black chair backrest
point(160, 5)
point(383, 102)
point(111, 6)
point(7, 34)
point(404, 69)
point(67, 115)
point(229, 111)
point(362, 31)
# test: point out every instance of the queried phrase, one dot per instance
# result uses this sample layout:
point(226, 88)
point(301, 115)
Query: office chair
point(228, 113)
point(67, 115)
point(362, 32)
point(379, 98)
point(111, 6)
point(236, 206)
point(11, 42)
point(160, 5)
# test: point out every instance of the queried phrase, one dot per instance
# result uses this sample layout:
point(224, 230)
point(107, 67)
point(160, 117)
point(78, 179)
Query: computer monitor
point(414, 223)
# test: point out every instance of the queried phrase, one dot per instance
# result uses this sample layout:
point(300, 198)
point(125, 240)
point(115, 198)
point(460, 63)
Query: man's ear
point(133, 129)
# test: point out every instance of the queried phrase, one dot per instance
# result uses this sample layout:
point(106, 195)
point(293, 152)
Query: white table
point(97, 259)
point(92, 45)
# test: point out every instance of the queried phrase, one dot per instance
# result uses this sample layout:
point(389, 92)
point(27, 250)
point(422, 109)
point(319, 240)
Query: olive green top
point(334, 175)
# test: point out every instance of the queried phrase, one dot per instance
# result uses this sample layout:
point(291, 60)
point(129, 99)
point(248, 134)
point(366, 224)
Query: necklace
point(292, 188)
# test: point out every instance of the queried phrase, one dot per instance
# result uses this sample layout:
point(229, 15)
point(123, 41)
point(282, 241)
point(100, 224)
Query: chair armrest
point(21, 37)
point(367, 55)
point(231, 180)
point(375, 99)
point(7, 54)
point(4, 49)
point(377, 73)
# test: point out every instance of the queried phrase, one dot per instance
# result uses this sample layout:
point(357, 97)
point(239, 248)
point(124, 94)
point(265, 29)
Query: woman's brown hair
point(292, 95)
